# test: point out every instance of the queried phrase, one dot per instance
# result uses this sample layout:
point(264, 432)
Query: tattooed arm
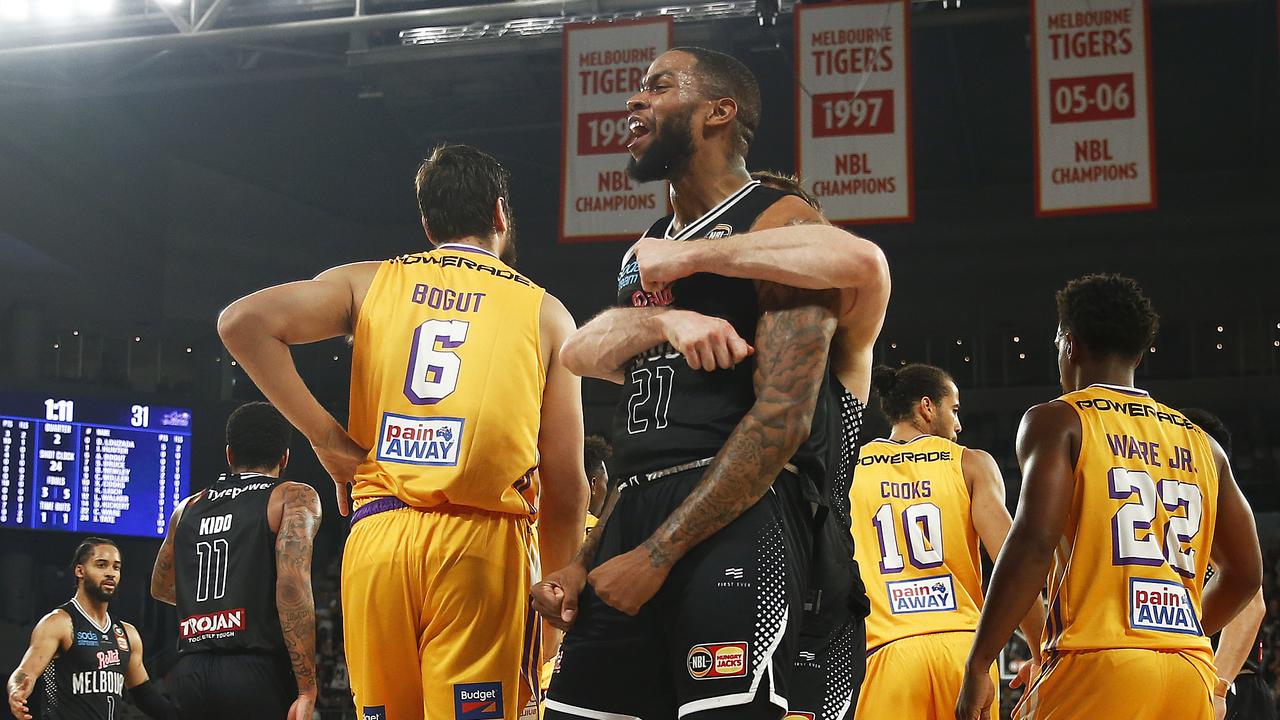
point(793, 336)
point(299, 520)
point(799, 249)
point(163, 583)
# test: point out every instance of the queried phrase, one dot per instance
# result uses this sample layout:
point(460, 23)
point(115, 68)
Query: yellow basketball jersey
point(1129, 570)
point(914, 539)
point(447, 381)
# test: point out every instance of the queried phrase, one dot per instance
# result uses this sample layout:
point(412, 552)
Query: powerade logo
point(373, 712)
point(477, 701)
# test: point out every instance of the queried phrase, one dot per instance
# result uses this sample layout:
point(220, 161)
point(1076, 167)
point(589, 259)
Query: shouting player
point(473, 428)
point(83, 659)
point(921, 503)
point(699, 574)
point(237, 563)
point(1128, 500)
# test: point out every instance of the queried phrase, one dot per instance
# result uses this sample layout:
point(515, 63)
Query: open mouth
point(637, 130)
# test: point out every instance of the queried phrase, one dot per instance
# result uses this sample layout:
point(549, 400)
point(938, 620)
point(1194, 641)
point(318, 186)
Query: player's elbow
point(235, 321)
point(864, 265)
point(573, 355)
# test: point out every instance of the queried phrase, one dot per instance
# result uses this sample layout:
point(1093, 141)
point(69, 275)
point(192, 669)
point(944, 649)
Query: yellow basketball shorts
point(1120, 683)
point(437, 619)
point(917, 677)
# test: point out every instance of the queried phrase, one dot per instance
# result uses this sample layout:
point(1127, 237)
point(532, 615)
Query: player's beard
point(509, 255)
point(97, 592)
point(669, 152)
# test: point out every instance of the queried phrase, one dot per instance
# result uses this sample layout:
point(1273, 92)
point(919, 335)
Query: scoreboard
point(91, 465)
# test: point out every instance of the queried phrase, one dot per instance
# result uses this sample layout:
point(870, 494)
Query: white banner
point(603, 66)
point(853, 109)
point(1094, 138)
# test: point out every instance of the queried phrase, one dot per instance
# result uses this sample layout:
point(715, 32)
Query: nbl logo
point(713, 661)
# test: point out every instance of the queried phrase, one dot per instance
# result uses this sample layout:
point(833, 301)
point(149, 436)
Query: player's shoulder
point(56, 622)
point(293, 491)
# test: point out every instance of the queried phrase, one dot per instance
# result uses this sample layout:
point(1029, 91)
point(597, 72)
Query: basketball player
point(921, 503)
point(596, 453)
point(1238, 656)
point(1129, 500)
point(697, 581)
point(831, 660)
point(473, 428)
point(82, 658)
point(237, 563)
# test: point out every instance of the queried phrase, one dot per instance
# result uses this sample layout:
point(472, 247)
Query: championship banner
point(1094, 135)
point(603, 66)
point(853, 109)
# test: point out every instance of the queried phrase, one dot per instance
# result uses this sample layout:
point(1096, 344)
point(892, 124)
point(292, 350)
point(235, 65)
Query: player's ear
point(284, 460)
point(501, 216)
point(723, 112)
point(926, 408)
point(231, 458)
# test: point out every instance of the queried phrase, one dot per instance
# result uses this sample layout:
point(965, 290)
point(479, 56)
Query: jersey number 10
point(922, 526)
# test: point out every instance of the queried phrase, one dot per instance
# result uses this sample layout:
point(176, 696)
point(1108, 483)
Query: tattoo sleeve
point(163, 581)
point(793, 338)
point(294, 602)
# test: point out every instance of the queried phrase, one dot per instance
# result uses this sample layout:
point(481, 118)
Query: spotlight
point(1017, 339)
point(1022, 356)
point(15, 10)
point(56, 346)
point(1219, 328)
point(137, 338)
point(767, 13)
point(1153, 348)
point(188, 349)
point(1219, 346)
point(56, 9)
point(893, 345)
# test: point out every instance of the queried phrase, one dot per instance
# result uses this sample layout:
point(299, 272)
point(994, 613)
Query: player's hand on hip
point(661, 262)
point(707, 343)
point(976, 695)
point(628, 581)
point(555, 597)
point(304, 707)
point(1026, 674)
point(18, 705)
point(340, 456)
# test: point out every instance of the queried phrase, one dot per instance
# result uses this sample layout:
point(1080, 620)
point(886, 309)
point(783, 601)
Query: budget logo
point(373, 712)
point(477, 701)
point(1161, 606)
point(931, 594)
point(419, 441)
point(712, 661)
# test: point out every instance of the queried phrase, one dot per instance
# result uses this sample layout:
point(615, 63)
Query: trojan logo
point(477, 701)
point(713, 661)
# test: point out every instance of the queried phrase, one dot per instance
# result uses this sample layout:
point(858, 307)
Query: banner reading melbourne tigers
point(603, 66)
point(853, 109)
point(1094, 140)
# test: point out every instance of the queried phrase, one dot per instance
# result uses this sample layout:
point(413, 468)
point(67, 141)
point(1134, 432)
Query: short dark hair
point(786, 181)
point(1108, 313)
point(595, 452)
point(1212, 425)
point(724, 76)
point(457, 187)
point(901, 388)
point(258, 435)
point(85, 549)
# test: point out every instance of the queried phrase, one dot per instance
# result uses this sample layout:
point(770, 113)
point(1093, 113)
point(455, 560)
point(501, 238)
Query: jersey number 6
point(433, 368)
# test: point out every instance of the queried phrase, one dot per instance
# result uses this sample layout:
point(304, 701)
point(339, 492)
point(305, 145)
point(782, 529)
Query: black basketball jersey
point(225, 557)
point(670, 414)
point(85, 681)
